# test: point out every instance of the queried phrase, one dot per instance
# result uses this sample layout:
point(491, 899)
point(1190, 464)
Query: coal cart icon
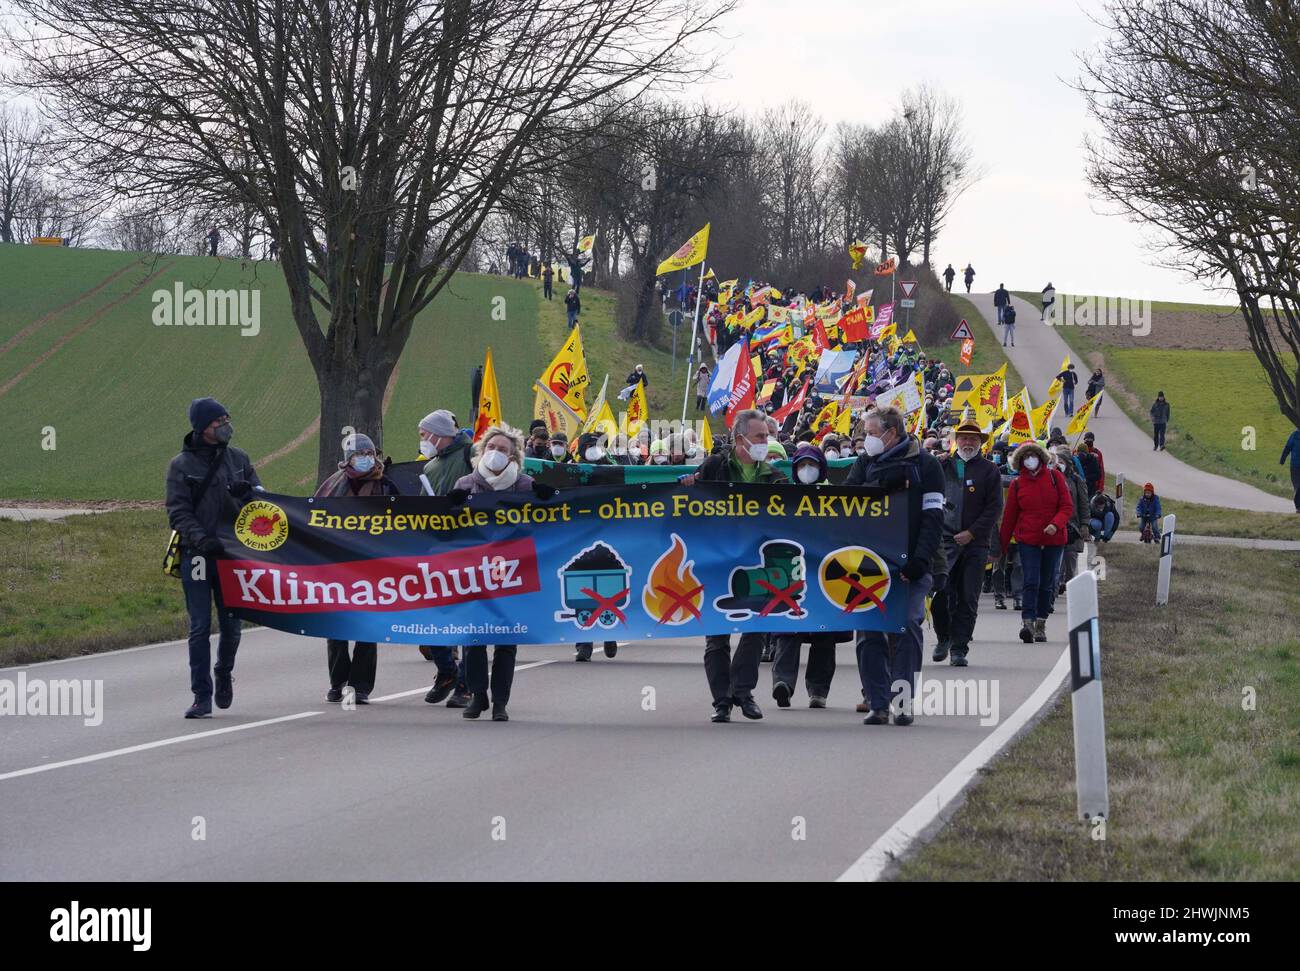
point(596, 588)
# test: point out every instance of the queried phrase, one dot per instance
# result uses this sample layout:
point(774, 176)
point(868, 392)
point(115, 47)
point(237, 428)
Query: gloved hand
point(940, 582)
point(457, 496)
point(211, 546)
point(914, 569)
point(543, 491)
point(241, 490)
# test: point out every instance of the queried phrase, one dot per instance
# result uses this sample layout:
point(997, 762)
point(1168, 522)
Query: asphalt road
point(584, 780)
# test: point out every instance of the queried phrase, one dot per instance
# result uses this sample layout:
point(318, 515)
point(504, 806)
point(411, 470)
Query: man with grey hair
point(732, 679)
point(894, 461)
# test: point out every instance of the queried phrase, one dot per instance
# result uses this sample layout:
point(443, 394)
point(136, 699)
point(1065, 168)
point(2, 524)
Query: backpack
point(1008, 314)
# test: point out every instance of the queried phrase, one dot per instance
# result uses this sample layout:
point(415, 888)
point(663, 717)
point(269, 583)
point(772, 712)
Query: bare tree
point(376, 129)
point(20, 145)
point(1199, 101)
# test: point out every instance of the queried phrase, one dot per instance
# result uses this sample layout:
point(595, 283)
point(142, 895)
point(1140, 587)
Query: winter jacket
point(1160, 412)
point(906, 466)
point(474, 483)
point(1001, 297)
point(1292, 448)
point(1035, 500)
point(702, 382)
point(636, 376)
point(186, 473)
point(1101, 466)
point(972, 501)
point(1068, 378)
point(1091, 469)
point(573, 303)
point(724, 467)
point(342, 485)
point(1082, 505)
point(449, 465)
point(1149, 509)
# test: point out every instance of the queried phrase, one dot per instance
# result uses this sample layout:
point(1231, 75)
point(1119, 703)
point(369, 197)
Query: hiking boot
point(941, 650)
point(816, 701)
point(781, 692)
point(224, 695)
point(1040, 629)
point(477, 705)
point(441, 688)
point(958, 658)
point(876, 718)
point(999, 602)
point(459, 699)
point(1027, 632)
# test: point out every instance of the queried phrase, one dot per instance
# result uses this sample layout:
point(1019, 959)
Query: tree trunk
point(351, 399)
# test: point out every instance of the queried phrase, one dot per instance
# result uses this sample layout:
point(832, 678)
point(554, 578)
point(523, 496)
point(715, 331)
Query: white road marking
point(895, 841)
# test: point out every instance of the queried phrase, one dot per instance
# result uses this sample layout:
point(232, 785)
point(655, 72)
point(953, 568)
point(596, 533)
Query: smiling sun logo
point(262, 526)
point(673, 594)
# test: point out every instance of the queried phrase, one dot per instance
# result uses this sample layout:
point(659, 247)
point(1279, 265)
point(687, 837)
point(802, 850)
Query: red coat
point(1033, 501)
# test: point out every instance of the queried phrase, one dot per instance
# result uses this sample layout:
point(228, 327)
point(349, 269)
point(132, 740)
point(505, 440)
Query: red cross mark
point(680, 601)
point(603, 604)
point(864, 593)
point(785, 596)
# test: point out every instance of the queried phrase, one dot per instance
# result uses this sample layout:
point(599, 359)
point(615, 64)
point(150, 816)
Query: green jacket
point(723, 467)
point(450, 464)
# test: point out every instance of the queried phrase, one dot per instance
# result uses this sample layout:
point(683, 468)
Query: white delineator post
point(1166, 561)
point(1086, 698)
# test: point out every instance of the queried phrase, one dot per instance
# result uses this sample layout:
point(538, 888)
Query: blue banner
point(598, 563)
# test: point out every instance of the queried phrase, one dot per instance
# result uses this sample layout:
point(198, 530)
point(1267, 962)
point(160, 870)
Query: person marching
point(361, 473)
point(973, 503)
point(732, 679)
point(1038, 510)
point(810, 470)
point(894, 462)
point(201, 481)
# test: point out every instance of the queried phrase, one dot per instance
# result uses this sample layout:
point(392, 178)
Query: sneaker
point(611, 648)
point(816, 701)
point(941, 650)
point(441, 688)
point(999, 602)
point(958, 659)
point(200, 709)
point(334, 695)
point(459, 699)
point(477, 705)
point(876, 718)
point(1040, 629)
point(721, 714)
point(224, 695)
point(1027, 631)
point(781, 692)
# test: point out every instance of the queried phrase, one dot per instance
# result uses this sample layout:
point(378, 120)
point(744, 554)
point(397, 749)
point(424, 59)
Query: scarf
point(503, 480)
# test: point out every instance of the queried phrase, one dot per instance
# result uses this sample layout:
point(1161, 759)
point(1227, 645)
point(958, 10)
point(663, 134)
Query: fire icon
point(673, 594)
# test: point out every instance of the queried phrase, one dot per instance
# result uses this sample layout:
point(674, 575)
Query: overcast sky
point(1007, 62)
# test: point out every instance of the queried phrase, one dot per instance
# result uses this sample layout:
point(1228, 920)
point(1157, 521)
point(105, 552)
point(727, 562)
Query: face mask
point(808, 474)
point(595, 453)
point(1031, 463)
point(967, 453)
point(223, 433)
point(873, 445)
point(426, 448)
point(758, 451)
point(558, 451)
point(661, 460)
point(363, 463)
point(832, 453)
point(495, 461)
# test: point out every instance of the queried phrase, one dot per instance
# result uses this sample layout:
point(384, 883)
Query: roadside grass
point(85, 584)
point(1200, 789)
point(988, 356)
point(1202, 520)
point(1035, 298)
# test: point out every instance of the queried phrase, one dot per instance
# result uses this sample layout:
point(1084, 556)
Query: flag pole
point(690, 357)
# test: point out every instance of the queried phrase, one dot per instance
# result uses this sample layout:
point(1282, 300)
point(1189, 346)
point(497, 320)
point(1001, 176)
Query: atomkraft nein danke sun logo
point(262, 526)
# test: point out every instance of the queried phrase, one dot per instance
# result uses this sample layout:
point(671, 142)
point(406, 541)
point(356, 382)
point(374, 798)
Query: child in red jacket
point(1037, 513)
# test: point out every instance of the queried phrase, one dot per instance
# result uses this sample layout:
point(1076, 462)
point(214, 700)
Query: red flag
point(794, 404)
point(742, 385)
point(853, 325)
point(820, 337)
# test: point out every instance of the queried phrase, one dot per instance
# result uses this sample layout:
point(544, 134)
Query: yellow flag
point(910, 338)
point(637, 409)
point(842, 425)
point(857, 253)
point(706, 438)
point(1079, 423)
point(756, 362)
point(1020, 422)
point(778, 315)
point(775, 294)
point(489, 400)
point(890, 331)
point(828, 415)
point(755, 316)
point(566, 375)
point(691, 252)
point(586, 243)
point(558, 416)
point(603, 422)
point(1054, 388)
point(983, 393)
point(1042, 415)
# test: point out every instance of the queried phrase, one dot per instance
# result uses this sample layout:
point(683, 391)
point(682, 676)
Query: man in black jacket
point(732, 679)
point(894, 461)
point(208, 480)
point(972, 488)
point(1069, 380)
point(1001, 300)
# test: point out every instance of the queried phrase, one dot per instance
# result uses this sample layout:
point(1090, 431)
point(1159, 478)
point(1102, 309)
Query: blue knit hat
point(204, 411)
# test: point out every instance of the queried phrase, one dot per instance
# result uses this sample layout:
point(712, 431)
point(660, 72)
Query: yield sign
point(962, 332)
point(907, 286)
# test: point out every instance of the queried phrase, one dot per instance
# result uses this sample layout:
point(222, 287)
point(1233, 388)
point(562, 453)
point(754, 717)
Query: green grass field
point(1201, 787)
point(1035, 298)
point(988, 356)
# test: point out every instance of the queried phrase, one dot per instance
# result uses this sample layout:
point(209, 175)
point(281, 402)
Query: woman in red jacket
point(1038, 509)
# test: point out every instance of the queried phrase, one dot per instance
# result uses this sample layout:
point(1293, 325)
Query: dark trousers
point(701, 402)
point(1006, 570)
point(732, 676)
point(199, 598)
point(546, 287)
point(1067, 399)
point(888, 663)
point(821, 662)
point(955, 607)
point(357, 669)
point(503, 672)
point(1295, 483)
point(1040, 566)
point(1158, 434)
